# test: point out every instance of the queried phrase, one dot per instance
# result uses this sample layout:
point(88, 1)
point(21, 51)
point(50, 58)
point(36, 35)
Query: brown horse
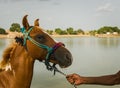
point(18, 59)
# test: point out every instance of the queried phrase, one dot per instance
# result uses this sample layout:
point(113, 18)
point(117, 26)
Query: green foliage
point(116, 29)
point(93, 32)
point(74, 33)
point(50, 32)
point(2, 31)
point(70, 30)
point(80, 31)
point(106, 29)
point(15, 27)
point(60, 31)
point(63, 32)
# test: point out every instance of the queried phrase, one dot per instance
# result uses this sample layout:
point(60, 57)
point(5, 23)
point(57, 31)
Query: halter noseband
point(50, 50)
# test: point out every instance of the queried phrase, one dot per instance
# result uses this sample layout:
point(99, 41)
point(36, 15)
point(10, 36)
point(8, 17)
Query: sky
point(79, 14)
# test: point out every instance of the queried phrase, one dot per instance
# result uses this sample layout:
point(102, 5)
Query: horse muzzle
point(63, 57)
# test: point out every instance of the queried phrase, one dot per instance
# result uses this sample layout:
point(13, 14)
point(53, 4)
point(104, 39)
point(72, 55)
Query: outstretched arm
point(101, 80)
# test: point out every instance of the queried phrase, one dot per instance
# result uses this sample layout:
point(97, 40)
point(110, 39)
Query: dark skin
point(76, 79)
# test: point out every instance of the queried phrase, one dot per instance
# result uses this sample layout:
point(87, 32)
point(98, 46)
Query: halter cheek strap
point(50, 50)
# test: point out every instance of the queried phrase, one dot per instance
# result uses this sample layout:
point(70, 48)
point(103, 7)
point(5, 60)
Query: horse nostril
point(68, 58)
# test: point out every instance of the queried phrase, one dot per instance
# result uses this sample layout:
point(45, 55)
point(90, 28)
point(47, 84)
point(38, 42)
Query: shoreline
point(65, 36)
point(14, 34)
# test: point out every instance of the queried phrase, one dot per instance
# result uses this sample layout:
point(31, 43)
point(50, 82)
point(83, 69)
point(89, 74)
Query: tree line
point(15, 27)
point(69, 31)
point(105, 30)
point(72, 31)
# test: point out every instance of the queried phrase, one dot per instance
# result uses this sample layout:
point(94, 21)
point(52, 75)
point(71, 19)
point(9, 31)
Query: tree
point(63, 32)
point(70, 30)
point(15, 27)
point(93, 32)
point(116, 29)
point(58, 30)
point(2, 31)
point(50, 32)
point(80, 31)
point(106, 29)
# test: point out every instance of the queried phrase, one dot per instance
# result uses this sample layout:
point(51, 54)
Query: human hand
point(75, 79)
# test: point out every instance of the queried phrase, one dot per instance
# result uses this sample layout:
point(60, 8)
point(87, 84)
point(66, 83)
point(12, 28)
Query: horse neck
point(22, 65)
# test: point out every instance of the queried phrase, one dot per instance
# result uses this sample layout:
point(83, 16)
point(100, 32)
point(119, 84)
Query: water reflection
point(2, 43)
point(109, 42)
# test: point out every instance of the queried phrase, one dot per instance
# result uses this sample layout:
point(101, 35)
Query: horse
point(16, 67)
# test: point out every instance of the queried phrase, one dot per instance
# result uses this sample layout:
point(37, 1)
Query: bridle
point(50, 50)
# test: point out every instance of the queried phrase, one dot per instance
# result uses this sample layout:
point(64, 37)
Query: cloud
point(105, 8)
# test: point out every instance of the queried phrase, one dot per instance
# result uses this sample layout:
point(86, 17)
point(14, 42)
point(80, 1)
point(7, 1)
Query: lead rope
point(56, 70)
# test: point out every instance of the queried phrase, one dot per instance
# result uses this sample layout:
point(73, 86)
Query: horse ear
point(25, 22)
point(36, 23)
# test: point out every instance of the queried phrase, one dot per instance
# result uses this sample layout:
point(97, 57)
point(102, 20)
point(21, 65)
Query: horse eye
point(40, 38)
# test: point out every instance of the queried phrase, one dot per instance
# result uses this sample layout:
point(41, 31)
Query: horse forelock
point(5, 62)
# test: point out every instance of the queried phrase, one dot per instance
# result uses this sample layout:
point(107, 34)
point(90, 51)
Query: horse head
point(42, 46)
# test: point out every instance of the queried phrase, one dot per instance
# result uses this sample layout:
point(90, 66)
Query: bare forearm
point(103, 80)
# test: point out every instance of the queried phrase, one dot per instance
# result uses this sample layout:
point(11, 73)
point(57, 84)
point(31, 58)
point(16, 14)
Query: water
point(92, 57)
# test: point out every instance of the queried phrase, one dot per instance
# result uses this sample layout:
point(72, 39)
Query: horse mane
point(5, 62)
point(6, 56)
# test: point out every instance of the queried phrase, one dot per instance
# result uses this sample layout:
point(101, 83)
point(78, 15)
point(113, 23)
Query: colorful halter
point(50, 50)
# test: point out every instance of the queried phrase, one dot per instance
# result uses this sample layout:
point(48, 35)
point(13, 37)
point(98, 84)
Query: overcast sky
point(84, 14)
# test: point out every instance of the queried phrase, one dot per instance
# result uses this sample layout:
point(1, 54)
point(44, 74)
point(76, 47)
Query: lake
point(92, 56)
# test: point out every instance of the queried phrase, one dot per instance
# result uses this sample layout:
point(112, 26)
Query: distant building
point(108, 33)
point(115, 33)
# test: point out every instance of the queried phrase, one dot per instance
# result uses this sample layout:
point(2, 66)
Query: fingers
point(77, 82)
point(74, 79)
point(70, 78)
